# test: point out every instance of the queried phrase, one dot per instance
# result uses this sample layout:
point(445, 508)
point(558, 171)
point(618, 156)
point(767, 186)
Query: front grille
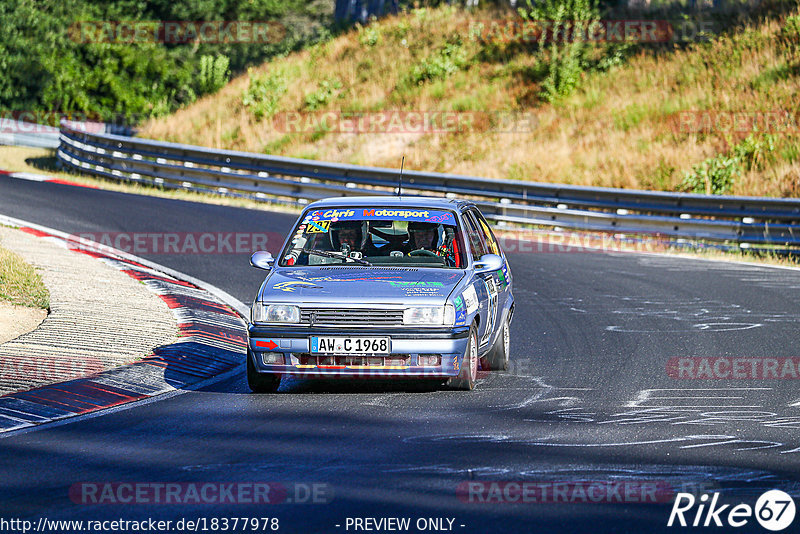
point(351, 317)
point(377, 361)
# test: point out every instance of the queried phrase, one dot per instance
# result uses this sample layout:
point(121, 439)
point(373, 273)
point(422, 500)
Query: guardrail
point(751, 220)
point(20, 133)
point(31, 134)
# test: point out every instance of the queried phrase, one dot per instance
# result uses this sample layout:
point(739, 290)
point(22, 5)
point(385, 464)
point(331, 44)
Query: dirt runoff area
point(18, 320)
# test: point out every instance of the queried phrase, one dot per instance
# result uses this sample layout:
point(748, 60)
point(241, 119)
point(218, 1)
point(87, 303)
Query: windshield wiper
point(337, 255)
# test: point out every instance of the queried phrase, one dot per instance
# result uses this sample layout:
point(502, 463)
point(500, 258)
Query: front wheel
point(261, 382)
point(497, 358)
point(465, 380)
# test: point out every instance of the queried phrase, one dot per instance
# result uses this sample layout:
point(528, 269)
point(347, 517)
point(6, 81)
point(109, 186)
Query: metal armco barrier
point(34, 135)
point(751, 220)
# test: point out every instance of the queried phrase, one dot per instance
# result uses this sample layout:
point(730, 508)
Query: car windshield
point(397, 236)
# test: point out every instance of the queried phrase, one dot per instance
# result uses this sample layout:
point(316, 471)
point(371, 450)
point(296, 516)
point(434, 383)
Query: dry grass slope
point(617, 130)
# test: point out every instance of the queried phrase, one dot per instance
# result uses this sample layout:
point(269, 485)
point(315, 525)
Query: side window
point(476, 245)
point(488, 236)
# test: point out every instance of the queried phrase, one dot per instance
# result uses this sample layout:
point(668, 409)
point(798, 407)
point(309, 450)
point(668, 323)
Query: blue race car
point(406, 287)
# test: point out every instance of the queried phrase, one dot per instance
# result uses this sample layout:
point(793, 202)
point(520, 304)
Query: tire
point(465, 381)
point(261, 382)
point(497, 357)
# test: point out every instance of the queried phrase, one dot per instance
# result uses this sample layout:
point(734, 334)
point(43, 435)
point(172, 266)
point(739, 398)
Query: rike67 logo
point(774, 510)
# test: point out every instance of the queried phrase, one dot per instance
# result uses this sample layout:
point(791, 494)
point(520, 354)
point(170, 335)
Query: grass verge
point(20, 284)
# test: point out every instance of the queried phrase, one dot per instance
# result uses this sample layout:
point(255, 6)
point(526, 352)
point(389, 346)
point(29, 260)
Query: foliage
point(369, 36)
point(568, 58)
point(214, 73)
point(715, 176)
point(264, 93)
point(54, 59)
point(324, 94)
point(445, 61)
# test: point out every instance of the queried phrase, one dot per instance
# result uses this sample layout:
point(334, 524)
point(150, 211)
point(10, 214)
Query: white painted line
point(30, 176)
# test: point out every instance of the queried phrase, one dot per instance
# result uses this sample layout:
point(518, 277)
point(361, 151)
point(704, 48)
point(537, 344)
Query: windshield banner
point(379, 214)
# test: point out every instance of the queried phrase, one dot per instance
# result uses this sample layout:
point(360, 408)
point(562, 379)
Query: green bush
point(568, 59)
point(325, 92)
point(791, 28)
point(755, 152)
point(790, 37)
point(716, 176)
point(264, 93)
point(448, 60)
point(369, 36)
point(214, 73)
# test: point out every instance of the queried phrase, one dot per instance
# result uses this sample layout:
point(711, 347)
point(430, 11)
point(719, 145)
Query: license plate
point(350, 345)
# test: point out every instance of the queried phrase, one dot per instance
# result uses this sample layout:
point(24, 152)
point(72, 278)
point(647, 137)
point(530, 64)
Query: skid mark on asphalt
point(678, 314)
point(752, 275)
point(689, 441)
point(542, 392)
point(694, 479)
point(717, 395)
point(738, 419)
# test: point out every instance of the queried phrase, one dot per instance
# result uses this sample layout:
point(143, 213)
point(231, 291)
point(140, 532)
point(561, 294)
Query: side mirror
point(488, 263)
point(262, 260)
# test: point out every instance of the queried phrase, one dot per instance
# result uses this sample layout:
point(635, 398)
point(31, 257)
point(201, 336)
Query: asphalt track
point(588, 398)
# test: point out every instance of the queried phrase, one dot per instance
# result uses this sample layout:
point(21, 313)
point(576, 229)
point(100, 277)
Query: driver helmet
point(423, 235)
point(350, 233)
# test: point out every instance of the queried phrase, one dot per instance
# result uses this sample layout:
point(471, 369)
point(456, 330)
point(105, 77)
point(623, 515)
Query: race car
point(406, 287)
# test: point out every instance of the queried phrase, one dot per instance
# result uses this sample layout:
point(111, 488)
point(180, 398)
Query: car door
point(485, 284)
point(502, 277)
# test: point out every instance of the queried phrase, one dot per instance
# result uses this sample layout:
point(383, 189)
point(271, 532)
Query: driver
point(348, 236)
point(422, 236)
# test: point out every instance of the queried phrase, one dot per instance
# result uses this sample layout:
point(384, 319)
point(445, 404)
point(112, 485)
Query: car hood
point(352, 285)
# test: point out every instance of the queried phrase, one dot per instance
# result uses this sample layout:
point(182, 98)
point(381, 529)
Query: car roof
point(391, 201)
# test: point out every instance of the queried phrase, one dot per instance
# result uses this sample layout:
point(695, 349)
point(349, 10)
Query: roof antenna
point(400, 180)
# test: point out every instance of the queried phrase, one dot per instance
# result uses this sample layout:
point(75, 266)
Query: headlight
point(430, 315)
point(275, 313)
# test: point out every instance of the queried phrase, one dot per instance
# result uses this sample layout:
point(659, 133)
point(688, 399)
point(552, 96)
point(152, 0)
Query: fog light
point(430, 360)
point(272, 358)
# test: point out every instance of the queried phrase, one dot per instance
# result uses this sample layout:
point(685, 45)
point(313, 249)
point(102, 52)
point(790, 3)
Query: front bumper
point(292, 346)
